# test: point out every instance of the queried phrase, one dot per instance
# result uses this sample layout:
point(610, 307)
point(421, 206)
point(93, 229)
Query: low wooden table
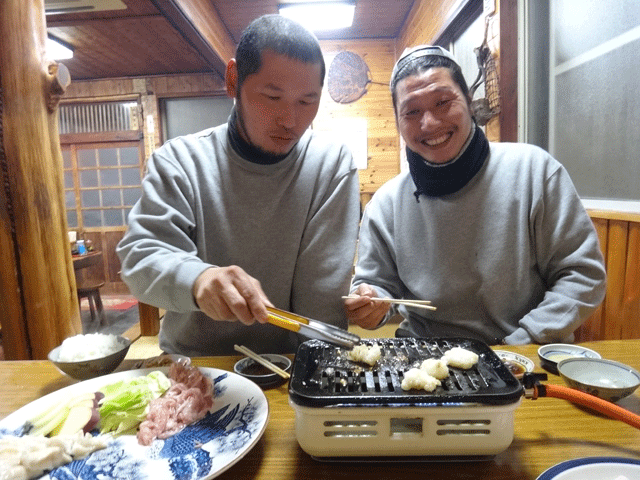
point(547, 431)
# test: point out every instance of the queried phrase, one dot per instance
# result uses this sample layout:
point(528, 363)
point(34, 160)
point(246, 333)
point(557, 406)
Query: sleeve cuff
point(519, 337)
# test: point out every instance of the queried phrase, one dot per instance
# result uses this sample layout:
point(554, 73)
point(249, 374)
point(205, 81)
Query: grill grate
point(323, 376)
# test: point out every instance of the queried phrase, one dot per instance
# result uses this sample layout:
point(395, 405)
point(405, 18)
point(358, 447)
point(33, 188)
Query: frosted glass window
point(182, 116)
point(90, 198)
point(106, 188)
point(585, 24)
point(86, 158)
point(109, 178)
point(129, 156)
point(91, 218)
point(113, 218)
point(66, 158)
point(592, 134)
point(131, 176)
point(72, 219)
point(111, 198)
point(130, 195)
point(594, 103)
point(70, 199)
point(88, 179)
point(108, 157)
point(68, 179)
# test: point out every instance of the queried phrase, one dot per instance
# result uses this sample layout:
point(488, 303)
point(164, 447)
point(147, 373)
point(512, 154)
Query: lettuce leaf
point(125, 403)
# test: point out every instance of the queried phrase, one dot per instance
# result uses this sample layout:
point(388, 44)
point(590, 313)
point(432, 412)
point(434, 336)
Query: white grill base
point(405, 431)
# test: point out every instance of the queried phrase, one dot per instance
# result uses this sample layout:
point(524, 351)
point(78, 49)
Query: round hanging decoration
point(348, 77)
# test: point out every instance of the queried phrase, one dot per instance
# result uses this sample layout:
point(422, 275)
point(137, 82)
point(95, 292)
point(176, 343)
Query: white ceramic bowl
point(85, 369)
point(550, 355)
point(605, 379)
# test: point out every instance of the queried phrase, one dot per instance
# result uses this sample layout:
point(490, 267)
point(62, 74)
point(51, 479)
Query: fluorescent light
point(318, 16)
point(58, 50)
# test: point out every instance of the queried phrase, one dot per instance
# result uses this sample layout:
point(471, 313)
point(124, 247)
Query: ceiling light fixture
point(320, 16)
point(58, 50)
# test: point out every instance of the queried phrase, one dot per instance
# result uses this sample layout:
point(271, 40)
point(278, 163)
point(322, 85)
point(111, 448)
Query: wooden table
point(89, 259)
point(547, 431)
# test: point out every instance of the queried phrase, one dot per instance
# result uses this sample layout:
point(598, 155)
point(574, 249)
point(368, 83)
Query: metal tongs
point(312, 328)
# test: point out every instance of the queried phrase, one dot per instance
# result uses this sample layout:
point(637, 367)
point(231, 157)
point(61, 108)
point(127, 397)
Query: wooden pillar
point(508, 71)
point(37, 283)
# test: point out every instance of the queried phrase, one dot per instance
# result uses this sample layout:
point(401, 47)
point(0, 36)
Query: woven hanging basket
point(349, 77)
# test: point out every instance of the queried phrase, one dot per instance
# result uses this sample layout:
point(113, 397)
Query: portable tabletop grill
point(347, 409)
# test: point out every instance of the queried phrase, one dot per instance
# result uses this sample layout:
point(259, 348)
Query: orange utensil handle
point(607, 408)
point(284, 323)
point(291, 316)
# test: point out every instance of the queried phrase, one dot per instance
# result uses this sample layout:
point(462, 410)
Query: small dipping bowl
point(261, 375)
point(552, 354)
point(605, 379)
point(94, 367)
point(517, 364)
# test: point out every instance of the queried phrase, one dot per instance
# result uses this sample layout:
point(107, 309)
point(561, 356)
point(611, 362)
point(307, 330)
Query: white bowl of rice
point(91, 355)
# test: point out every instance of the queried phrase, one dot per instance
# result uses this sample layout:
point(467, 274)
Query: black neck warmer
point(246, 150)
point(438, 180)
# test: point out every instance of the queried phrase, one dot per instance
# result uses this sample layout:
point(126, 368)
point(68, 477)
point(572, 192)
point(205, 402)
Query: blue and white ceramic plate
point(201, 451)
point(594, 468)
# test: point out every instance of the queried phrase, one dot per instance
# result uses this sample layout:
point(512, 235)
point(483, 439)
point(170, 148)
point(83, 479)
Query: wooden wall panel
point(593, 327)
point(616, 266)
point(631, 288)
point(375, 106)
point(110, 240)
point(619, 315)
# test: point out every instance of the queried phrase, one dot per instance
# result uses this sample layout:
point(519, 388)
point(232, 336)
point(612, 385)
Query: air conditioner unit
point(52, 7)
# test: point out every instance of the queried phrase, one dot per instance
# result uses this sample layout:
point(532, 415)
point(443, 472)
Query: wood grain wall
point(383, 140)
point(619, 315)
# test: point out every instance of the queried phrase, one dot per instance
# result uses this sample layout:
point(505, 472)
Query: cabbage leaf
point(125, 403)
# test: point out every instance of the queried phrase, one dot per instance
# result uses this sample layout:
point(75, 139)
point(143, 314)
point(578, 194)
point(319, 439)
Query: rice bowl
point(88, 347)
point(89, 359)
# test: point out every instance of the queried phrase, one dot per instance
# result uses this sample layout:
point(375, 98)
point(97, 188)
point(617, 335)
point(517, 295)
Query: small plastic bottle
point(82, 250)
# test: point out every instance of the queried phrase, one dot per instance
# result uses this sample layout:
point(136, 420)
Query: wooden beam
point(202, 27)
point(122, 136)
point(37, 282)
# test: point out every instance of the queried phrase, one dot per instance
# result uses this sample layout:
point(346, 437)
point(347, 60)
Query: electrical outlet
point(488, 7)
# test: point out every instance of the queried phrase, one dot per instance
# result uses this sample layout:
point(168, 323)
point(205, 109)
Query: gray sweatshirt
point(292, 225)
point(513, 255)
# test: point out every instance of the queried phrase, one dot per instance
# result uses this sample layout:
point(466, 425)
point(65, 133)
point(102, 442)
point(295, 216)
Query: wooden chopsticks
point(261, 360)
point(426, 304)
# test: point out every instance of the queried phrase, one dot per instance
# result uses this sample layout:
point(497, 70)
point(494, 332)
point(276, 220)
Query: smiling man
point(257, 212)
point(493, 234)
